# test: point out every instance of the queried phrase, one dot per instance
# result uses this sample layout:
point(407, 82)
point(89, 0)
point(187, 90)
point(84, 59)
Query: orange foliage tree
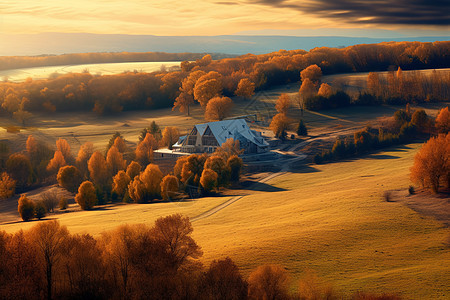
point(443, 120)
point(432, 163)
point(133, 169)
point(63, 146)
point(115, 161)
point(98, 169)
point(56, 162)
point(147, 186)
point(18, 166)
point(313, 73)
point(7, 186)
point(25, 207)
point(283, 104)
point(69, 177)
point(269, 282)
point(84, 154)
point(208, 86)
point(279, 125)
point(170, 136)
point(245, 88)
point(307, 89)
point(218, 108)
point(208, 180)
point(120, 183)
point(144, 151)
point(325, 90)
point(169, 187)
point(86, 196)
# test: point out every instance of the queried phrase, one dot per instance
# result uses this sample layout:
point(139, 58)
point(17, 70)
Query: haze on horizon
point(202, 17)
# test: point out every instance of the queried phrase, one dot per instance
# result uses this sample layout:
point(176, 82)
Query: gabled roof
point(236, 129)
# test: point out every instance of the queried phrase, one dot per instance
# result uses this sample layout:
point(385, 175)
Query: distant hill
point(59, 43)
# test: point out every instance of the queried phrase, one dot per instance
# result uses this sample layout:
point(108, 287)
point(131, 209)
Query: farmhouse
point(208, 137)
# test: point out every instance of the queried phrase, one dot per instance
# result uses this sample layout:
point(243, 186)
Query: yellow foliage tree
point(208, 86)
point(279, 125)
point(170, 136)
point(115, 161)
point(283, 104)
point(120, 183)
point(98, 169)
point(144, 151)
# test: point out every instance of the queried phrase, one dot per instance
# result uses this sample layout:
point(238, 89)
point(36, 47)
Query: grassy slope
point(332, 219)
point(336, 222)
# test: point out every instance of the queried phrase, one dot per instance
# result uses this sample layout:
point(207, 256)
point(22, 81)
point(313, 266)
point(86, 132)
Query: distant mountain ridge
point(60, 43)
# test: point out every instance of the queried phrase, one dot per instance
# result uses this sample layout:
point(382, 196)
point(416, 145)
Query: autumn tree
point(373, 84)
point(192, 169)
point(120, 183)
point(169, 187)
point(63, 146)
point(133, 169)
point(207, 87)
point(224, 280)
point(50, 239)
point(186, 97)
point(56, 162)
point(32, 147)
point(25, 208)
point(218, 165)
point(268, 282)
point(7, 186)
point(18, 166)
point(144, 151)
point(115, 161)
point(174, 233)
point(279, 125)
point(307, 89)
point(432, 163)
point(98, 169)
point(420, 119)
point(325, 90)
point(245, 88)
point(119, 142)
point(313, 73)
point(178, 168)
point(39, 210)
point(70, 178)
point(84, 154)
point(151, 177)
point(235, 164)
point(170, 136)
point(86, 196)
point(283, 104)
point(208, 180)
point(443, 120)
point(218, 108)
point(229, 148)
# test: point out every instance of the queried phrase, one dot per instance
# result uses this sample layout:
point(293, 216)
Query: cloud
point(398, 12)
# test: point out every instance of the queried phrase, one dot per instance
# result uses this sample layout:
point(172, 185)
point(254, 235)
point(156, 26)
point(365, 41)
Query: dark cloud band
point(406, 12)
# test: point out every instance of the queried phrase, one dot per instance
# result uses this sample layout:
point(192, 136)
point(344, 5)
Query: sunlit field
point(18, 75)
point(330, 218)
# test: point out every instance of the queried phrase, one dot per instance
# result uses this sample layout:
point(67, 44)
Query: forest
point(206, 78)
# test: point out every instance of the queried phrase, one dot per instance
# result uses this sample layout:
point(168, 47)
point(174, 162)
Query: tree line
point(139, 262)
point(431, 167)
point(205, 79)
point(19, 62)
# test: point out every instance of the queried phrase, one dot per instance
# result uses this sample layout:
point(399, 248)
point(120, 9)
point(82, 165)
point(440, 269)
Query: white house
point(208, 137)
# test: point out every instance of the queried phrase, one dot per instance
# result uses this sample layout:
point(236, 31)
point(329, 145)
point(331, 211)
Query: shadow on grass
point(260, 186)
point(382, 156)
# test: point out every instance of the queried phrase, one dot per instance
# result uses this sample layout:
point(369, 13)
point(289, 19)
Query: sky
point(223, 17)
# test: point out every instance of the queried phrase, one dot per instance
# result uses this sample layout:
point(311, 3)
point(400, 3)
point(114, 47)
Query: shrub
point(19, 168)
point(86, 196)
point(39, 209)
point(387, 195)
point(411, 190)
point(268, 282)
point(420, 119)
point(25, 208)
point(63, 204)
point(338, 151)
point(443, 120)
point(50, 200)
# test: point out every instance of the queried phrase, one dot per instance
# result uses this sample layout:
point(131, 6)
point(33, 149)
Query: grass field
point(331, 219)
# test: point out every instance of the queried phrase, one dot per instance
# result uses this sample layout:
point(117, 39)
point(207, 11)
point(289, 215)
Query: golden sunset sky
point(203, 17)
